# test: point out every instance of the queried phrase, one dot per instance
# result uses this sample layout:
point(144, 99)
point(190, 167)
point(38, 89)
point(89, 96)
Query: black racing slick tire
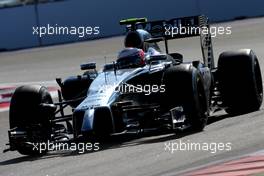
point(184, 87)
point(27, 115)
point(240, 81)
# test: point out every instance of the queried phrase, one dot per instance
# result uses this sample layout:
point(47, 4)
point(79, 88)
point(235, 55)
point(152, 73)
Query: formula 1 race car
point(143, 89)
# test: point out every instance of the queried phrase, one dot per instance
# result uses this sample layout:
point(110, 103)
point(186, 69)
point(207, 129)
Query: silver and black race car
point(144, 88)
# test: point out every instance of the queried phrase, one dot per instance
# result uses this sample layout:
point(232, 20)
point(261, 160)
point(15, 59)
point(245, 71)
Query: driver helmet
point(133, 55)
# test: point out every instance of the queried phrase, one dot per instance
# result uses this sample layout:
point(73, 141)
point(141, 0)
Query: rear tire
point(240, 81)
point(26, 115)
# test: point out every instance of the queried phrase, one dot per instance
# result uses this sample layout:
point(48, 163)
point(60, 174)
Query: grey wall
point(16, 23)
point(219, 10)
point(16, 26)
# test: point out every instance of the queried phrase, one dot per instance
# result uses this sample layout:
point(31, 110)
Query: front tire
point(27, 115)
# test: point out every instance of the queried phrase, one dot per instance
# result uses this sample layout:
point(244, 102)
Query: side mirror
point(177, 56)
point(155, 40)
point(108, 67)
point(88, 66)
point(158, 57)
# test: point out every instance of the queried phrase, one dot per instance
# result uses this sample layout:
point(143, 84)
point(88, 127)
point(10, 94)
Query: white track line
point(4, 109)
point(43, 83)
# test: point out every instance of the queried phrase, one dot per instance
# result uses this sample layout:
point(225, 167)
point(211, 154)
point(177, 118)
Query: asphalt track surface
point(140, 156)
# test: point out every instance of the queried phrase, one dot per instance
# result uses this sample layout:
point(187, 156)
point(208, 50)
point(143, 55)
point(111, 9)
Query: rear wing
point(176, 28)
